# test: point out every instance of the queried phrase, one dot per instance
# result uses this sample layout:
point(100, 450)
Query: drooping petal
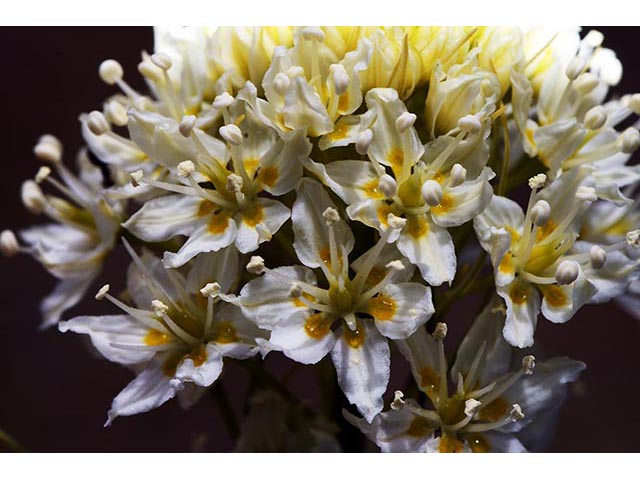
point(362, 362)
point(421, 351)
point(233, 334)
point(561, 302)
point(258, 223)
point(203, 239)
point(202, 367)
point(523, 305)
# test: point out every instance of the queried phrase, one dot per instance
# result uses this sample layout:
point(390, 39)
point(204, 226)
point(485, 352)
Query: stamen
point(330, 216)
point(595, 118)
point(179, 332)
point(567, 272)
point(457, 176)
point(594, 38)
point(440, 334)
point(136, 177)
point(398, 402)
point(629, 140)
point(102, 292)
point(231, 133)
point(471, 407)
point(363, 141)
point(158, 307)
point(186, 125)
point(110, 72)
point(186, 168)
point(97, 123)
point(575, 67)
point(474, 370)
point(528, 364)
point(388, 186)
point(9, 245)
point(405, 121)
point(597, 257)
point(537, 181)
point(514, 415)
point(116, 113)
point(314, 34)
point(32, 197)
point(470, 124)
point(633, 238)
point(162, 61)
point(256, 265)
point(432, 193)
point(340, 78)
point(585, 83)
point(540, 213)
point(223, 100)
point(281, 83)
point(211, 290)
point(634, 103)
point(586, 194)
point(48, 149)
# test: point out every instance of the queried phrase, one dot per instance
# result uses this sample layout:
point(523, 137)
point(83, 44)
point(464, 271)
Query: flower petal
point(304, 337)
point(400, 309)
point(202, 369)
point(201, 241)
point(523, 306)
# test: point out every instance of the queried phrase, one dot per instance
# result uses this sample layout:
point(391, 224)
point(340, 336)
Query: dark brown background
point(54, 395)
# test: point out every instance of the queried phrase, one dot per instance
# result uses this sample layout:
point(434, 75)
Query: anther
point(159, 307)
point(330, 216)
point(595, 118)
point(313, 33)
point(186, 125)
point(575, 67)
point(633, 238)
point(594, 38)
point(186, 168)
point(516, 413)
point(295, 291)
point(634, 103)
point(432, 193)
point(256, 265)
point(281, 83)
point(43, 173)
point(441, 331)
point(211, 289)
point(161, 60)
point(405, 121)
point(149, 71)
point(537, 181)
point(395, 222)
point(102, 292)
point(340, 78)
point(48, 149)
point(234, 183)
point(457, 176)
point(223, 100)
point(398, 401)
point(116, 113)
point(470, 123)
point(32, 197)
point(586, 82)
point(540, 213)
point(597, 257)
point(396, 265)
point(586, 194)
point(528, 364)
point(363, 141)
point(110, 72)
point(567, 272)
point(136, 177)
point(388, 185)
point(471, 407)
point(231, 133)
point(9, 245)
point(97, 123)
point(629, 140)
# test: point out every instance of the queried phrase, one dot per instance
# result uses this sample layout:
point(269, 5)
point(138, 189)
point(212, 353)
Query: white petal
point(522, 314)
point(421, 351)
point(200, 241)
point(150, 389)
point(363, 370)
point(221, 266)
point(499, 442)
point(66, 294)
point(561, 302)
point(430, 248)
point(310, 230)
point(163, 218)
point(292, 337)
point(113, 329)
point(206, 372)
point(281, 172)
point(400, 309)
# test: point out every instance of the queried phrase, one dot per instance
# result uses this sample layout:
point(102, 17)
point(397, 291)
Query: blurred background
point(54, 394)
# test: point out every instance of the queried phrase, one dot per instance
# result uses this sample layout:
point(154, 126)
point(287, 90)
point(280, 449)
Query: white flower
point(178, 332)
point(352, 316)
point(491, 406)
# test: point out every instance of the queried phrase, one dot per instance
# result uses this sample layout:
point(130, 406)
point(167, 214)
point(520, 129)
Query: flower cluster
point(303, 190)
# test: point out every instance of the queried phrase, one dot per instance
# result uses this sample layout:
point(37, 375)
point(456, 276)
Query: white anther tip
point(458, 175)
point(516, 412)
point(313, 33)
point(32, 197)
point(231, 133)
point(594, 38)
point(159, 307)
point(116, 113)
point(234, 183)
point(295, 291)
point(136, 177)
point(567, 272)
point(43, 173)
point(102, 292)
point(161, 60)
point(9, 243)
point(540, 213)
point(633, 238)
point(398, 401)
point(470, 123)
point(595, 118)
point(396, 265)
point(223, 100)
point(630, 140)
point(405, 121)
point(48, 149)
point(634, 103)
point(432, 193)
point(330, 216)
point(388, 185)
point(340, 78)
point(211, 289)
point(186, 125)
point(441, 331)
point(575, 67)
point(528, 364)
point(363, 141)
point(586, 194)
point(597, 256)
point(395, 222)
point(256, 265)
point(281, 83)
point(537, 181)
point(97, 123)
point(186, 168)
point(471, 407)
point(110, 71)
